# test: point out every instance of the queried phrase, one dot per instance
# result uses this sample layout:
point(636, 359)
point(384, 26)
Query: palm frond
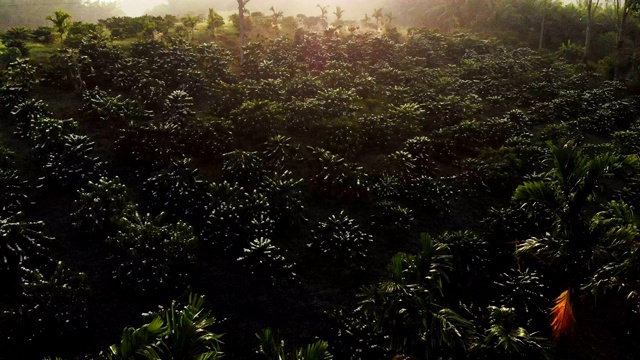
point(139, 341)
point(449, 328)
point(316, 351)
point(546, 250)
point(563, 319)
point(536, 192)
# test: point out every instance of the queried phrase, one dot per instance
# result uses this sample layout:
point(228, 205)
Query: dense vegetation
point(342, 194)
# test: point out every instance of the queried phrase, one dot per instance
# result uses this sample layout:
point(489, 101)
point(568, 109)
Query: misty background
point(354, 8)
point(32, 13)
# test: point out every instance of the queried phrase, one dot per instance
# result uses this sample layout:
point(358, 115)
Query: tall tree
point(378, 15)
point(591, 7)
point(60, 22)
point(214, 21)
point(190, 21)
point(241, 10)
point(324, 9)
point(622, 9)
point(545, 6)
point(338, 13)
point(565, 192)
point(276, 16)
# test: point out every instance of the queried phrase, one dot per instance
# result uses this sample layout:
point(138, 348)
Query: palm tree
point(620, 251)
point(389, 19)
point(504, 338)
point(276, 16)
point(378, 15)
point(366, 21)
point(272, 348)
point(324, 9)
point(338, 13)
point(214, 21)
point(565, 191)
point(190, 21)
point(60, 22)
point(407, 307)
point(179, 334)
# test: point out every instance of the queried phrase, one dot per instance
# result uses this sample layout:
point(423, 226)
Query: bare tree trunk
point(591, 8)
point(241, 4)
point(541, 42)
point(587, 41)
point(620, 44)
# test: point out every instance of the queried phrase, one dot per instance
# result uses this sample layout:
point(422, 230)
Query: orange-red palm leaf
point(562, 314)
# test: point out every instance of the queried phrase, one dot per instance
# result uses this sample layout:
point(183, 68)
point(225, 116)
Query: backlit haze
point(353, 8)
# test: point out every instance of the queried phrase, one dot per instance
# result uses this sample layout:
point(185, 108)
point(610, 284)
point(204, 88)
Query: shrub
point(27, 112)
point(265, 262)
point(340, 240)
point(178, 192)
point(13, 198)
point(21, 245)
point(178, 108)
point(393, 218)
point(73, 165)
point(51, 314)
point(43, 35)
point(155, 254)
point(243, 167)
point(47, 134)
point(100, 205)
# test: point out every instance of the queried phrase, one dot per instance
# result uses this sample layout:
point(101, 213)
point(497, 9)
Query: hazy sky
point(138, 7)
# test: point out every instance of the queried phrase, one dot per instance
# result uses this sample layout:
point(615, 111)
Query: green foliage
point(113, 109)
point(180, 333)
point(16, 37)
point(279, 151)
point(14, 197)
point(335, 177)
point(60, 20)
point(407, 306)
point(51, 312)
point(78, 31)
point(258, 120)
point(70, 163)
point(340, 240)
point(46, 135)
point(25, 113)
point(214, 21)
point(20, 33)
point(155, 254)
point(177, 191)
point(272, 348)
point(285, 199)
point(524, 291)
point(617, 254)
point(392, 217)
point(265, 262)
point(68, 160)
point(100, 205)
point(125, 27)
point(20, 74)
point(22, 242)
point(505, 339)
point(245, 168)
point(67, 69)
point(43, 35)
point(178, 108)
